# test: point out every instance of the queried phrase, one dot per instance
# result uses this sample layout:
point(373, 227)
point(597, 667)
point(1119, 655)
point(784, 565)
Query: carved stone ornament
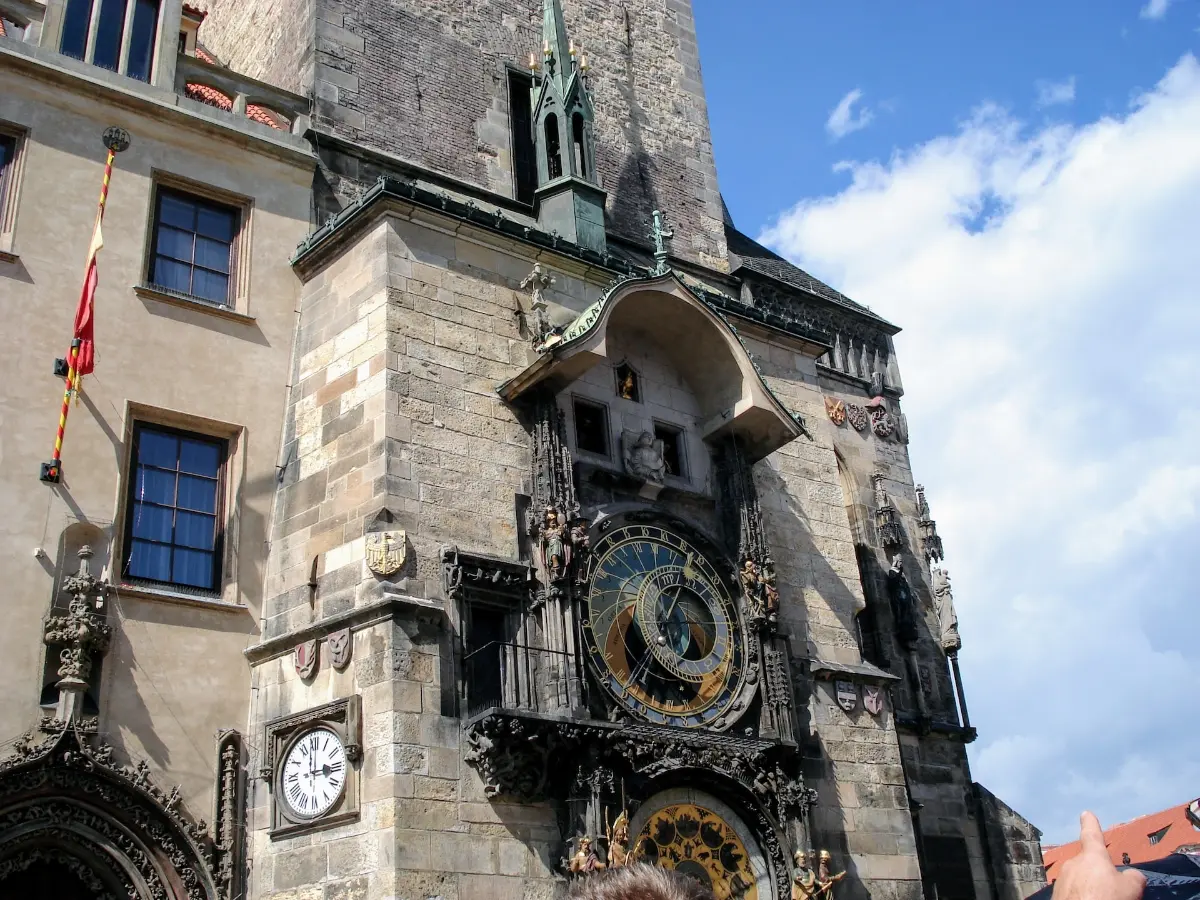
point(386, 552)
point(228, 837)
point(71, 804)
point(537, 283)
point(882, 423)
point(306, 655)
point(873, 699)
point(943, 596)
point(481, 574)
point(341, 645)
point(857, 416)
point(643, 455)
point(836, 410)
point(82, 634)
point(847, 695)
point(887, 519)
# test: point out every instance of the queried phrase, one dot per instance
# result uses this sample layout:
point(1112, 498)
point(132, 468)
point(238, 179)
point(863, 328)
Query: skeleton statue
point(943, 595)
point(644, 457)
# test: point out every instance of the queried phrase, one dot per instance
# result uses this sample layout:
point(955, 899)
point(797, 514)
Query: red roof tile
point(2, 31)
point(1172, 825)
point(213, 97)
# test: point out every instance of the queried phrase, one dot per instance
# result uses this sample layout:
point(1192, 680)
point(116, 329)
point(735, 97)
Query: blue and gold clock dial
point(662, 628)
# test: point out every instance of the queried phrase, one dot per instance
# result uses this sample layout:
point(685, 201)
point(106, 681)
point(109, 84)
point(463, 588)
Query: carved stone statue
point(943, 595)
point(644, 456)
point(618, 842)
point(804, 883)
point(536, 283)
point(761, 589)
point(904, 607)
point(825, 879)
point(585, 861)
point(554, 547)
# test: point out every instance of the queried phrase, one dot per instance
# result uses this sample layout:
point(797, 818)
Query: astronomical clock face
point(662, 628)
point(697, 842)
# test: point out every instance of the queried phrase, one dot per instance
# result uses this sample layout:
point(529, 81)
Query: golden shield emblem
point(386, 552)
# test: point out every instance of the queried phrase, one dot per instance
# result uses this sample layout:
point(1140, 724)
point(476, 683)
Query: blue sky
point(1017, 185)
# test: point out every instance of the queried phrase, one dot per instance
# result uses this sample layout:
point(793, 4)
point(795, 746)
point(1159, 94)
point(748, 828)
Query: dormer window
point(118, 35)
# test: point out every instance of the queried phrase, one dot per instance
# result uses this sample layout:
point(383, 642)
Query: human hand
point(1091, 875)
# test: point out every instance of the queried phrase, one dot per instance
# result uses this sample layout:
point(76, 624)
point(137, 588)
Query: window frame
point(237, 300)
point(220, 514)
point(524, 147)
point(93, 21)
point(10, 187)
point(576, 401)
point(684, 473)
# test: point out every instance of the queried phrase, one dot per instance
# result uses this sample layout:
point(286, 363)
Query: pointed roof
point(554, 37)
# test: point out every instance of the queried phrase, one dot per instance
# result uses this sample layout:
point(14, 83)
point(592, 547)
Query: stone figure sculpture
point(585, 861)
point(804, 883)
point(554, 548)
point(826, 879)
point(644, 456)
point(943, 595)
point(904, 607)
point(618, 841)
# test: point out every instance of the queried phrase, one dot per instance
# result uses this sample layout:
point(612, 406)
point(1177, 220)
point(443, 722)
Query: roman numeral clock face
point(662, 628)
point(314, 774)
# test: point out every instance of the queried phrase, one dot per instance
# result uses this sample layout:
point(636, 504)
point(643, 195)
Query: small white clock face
point(314, 773)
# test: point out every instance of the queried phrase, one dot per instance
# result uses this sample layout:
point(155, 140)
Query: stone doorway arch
point(71, 818)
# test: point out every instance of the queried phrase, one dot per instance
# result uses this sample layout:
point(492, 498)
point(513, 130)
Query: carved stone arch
point(68, 804)
point(694, 339)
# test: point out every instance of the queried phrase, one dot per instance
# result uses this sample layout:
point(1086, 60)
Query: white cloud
point(1055, 93)
point(1156, 9)
point(1045, 278)
point(843, 120)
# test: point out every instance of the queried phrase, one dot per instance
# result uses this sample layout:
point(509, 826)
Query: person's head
point(801, 859)
point(639, 882)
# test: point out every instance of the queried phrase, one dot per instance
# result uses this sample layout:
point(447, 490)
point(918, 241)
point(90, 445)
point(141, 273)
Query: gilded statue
point(825, 879)
point(804, 883)
point(585, 861)
point(618, 841)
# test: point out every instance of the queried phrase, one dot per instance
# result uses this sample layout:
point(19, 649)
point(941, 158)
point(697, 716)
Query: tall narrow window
point(141, 39)
point(591, 427)
point(8, 154)
point(76, 22)
point(673, 453)
point(553, 148)
point(172, 533)
point(579, 145)
point(193, 246)
point(521, 118)
point(110, 28)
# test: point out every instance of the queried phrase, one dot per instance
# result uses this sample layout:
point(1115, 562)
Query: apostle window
point(119, 35)
point(628, 386)
point(173, 516)
point(591, 427)
point(673, 455)
point(194, 243)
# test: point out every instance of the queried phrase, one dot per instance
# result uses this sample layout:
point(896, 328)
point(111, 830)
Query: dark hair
point(639, 882)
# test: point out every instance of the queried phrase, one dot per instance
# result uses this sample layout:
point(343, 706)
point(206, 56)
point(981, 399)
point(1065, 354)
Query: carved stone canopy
point(70, 804)
point(696, 341)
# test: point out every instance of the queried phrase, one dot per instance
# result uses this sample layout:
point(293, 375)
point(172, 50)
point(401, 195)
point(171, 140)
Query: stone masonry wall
point(269, 40)
point(403, 339)
point(427, 80)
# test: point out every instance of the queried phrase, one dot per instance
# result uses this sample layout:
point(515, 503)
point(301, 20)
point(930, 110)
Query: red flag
point(85, 320)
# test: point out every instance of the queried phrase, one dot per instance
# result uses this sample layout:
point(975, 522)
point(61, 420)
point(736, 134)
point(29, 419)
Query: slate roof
point(757, 258)
point(1134, 838)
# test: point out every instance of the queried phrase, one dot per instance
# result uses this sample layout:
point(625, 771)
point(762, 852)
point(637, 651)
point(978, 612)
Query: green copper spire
point(556, 47)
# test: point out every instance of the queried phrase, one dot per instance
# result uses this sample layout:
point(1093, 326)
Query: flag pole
point(116, 140)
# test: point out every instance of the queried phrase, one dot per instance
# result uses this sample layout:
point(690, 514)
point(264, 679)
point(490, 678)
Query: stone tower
point(595, 517)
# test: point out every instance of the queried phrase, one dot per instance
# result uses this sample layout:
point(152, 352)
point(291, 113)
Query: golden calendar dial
point(662, 628)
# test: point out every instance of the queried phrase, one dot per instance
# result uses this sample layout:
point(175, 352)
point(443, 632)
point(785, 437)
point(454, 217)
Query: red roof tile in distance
point(194, 12)
point(1134, 838)
point(3, 33)
point(213, 97)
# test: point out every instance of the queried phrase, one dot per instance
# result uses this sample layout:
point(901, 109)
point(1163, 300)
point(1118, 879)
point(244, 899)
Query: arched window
point(580, 150)
point(554, 167)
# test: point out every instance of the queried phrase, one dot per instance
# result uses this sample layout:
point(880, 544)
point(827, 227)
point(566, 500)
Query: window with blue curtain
point(173, 519)
point(110, 28)
point(76, 21)
point(8, 151)
point(193, 246)
point(142, 38)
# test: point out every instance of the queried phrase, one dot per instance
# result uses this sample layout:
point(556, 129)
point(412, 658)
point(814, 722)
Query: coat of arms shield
point(836, 410)
point(306, 658)
point(340, 644)
point(873, 699)
point(847, 695)
point(386, 552)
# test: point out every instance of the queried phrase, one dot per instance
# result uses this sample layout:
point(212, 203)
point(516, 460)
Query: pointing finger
point(1091, 837)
